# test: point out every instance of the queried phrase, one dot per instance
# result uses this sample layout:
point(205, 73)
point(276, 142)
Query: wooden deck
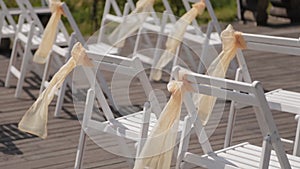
point(21, 150)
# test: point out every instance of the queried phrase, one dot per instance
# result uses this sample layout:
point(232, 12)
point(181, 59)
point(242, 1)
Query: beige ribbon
point(50, 32)
point(131, 23)
point(158, 148)
point(175, 38)
point(35, 119)
point(231, 41)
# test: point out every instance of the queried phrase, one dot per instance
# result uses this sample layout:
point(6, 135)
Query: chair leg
point(11, 62)
point(45, 74)
point(184, 141)
point(230, 125)
point(124, 149)
point(296, 151)
point(60, 99)
point(23, 70)
point(80, 150)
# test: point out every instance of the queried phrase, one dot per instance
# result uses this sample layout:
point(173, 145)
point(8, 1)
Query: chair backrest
point(260, 43)
point(72, 23)
point(214, 20)
point(131, 67)
point(153, 15)
point(187, 6)
point(6, 18)
point(266, 43)
point(30, 16)
point(112, 13)
point(247, 93)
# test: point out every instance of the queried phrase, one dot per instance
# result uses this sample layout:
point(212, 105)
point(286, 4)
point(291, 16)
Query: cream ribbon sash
point(35, 119)
point(231, 42)
point(131, 23)
point(175, 38)
point(50, 32)
point(158, 149)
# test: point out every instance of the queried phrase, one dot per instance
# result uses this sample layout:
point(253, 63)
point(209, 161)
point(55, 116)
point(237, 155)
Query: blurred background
point(88, 13)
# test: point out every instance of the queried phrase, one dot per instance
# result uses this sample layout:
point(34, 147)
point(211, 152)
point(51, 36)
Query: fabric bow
point(35, 119)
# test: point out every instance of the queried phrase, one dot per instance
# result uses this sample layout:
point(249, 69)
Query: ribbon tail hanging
point(175, 38)
point(232, 41)
point(50, 32)
point(35, 119)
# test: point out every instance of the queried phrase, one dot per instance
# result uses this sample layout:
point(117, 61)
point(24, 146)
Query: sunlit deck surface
point(21, 150)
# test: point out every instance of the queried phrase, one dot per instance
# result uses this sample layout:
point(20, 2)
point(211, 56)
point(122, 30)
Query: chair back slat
point(30, 15)
point(222, 88)
point(274, 40)
point(281, 45)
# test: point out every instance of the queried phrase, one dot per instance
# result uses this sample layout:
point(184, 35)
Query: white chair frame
point(30, 41)
point(192, 34)
point(250, 94)
point(8, 25)
point(65, 52)
point(129, 67)
point(279, 99)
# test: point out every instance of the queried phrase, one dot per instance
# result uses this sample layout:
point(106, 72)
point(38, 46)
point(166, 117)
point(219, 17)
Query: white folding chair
point(8, 25)
point(280, 99)
point(30, 41)
point(152, 23)
point(111, 13)
point(64, 52)
point(242, 155)
point(122, 126)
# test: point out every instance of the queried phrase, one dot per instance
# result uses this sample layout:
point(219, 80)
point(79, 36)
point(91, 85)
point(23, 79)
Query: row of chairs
point(249, 93)
point(112, 13)
point(136, 126)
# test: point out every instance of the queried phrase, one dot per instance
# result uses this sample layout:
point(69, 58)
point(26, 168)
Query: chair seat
point(130, 124)
point(36, 40)
point(283, 100)
point(144, 58)
point(245, 156)
point(8, 31)
point(62, 51)
point(102, 48)
point(214, 38)
point(190, 28)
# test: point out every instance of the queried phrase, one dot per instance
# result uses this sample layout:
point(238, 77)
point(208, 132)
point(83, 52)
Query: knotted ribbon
point(35, 119)
point(131, 23)
point(231, 42)
point(158, 148)
point(50, 32)
point(175, 38)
